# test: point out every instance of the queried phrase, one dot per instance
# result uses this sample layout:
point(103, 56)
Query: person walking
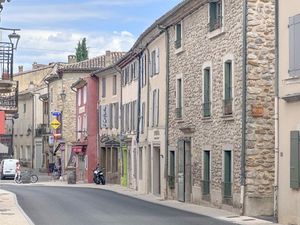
point(18, 172)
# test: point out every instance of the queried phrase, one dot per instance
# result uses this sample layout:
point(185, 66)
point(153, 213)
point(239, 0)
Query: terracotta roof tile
point(94, 63)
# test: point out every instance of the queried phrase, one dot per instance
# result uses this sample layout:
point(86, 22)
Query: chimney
point(72, 59)
point(20, 69)
point(31, 85)
point(34, 65)
point(108, 58)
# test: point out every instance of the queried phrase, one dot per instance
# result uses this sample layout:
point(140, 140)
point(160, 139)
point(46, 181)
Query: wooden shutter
point(207, 85)
point(206, 166)
point(157, 108)
point(228, 80)
point(227, 173)
point(157, 61)
point(213, 12)
point(294, 45)
point(294, 160)
point(116, 114)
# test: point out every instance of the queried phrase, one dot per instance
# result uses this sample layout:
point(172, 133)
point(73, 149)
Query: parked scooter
point(98, 176)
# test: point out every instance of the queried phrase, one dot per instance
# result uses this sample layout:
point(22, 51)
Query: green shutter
point(227, 174)
point(294, 163)
point(206, 173)
point(212, 14)
point(178, 35)
point(228, 81)
point(206, 85)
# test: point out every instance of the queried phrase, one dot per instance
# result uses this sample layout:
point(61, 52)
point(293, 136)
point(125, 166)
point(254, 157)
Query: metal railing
point(206, 109)
point(227, 106)
point(205, 187)
point(6, 61)
point(178, 112)
point(227, 189)
point(171, 181)
point(178, 43)
point(215, 24)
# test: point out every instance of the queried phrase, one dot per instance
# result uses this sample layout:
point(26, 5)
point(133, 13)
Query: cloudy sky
point(51, 29)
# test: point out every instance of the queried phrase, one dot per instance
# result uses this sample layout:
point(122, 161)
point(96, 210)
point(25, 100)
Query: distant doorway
point(156, 171)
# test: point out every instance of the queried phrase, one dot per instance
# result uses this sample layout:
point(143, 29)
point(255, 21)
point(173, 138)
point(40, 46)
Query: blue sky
point(51, 29)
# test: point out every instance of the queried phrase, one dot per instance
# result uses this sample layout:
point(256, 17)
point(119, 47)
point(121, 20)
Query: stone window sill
point(292, 79)
point(179, 120)
point(227, 117)
point(216, 33)
point(179, 50)
point(207, 119)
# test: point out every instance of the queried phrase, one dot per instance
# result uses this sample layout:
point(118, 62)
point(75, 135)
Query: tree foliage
point(81, 51)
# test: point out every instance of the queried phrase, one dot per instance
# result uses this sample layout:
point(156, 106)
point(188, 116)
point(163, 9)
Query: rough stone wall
point(217, 133)
point(69, 107)
point(260, 92)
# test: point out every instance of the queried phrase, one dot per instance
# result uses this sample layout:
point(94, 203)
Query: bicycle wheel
point(34, 178)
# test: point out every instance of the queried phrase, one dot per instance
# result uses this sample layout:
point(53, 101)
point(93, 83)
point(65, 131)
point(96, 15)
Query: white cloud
point(44, 46)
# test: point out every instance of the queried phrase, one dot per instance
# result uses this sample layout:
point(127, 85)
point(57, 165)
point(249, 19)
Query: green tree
point(81, 51)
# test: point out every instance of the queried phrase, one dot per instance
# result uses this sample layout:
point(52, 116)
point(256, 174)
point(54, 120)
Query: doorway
point(156, 171)
point(184, 170)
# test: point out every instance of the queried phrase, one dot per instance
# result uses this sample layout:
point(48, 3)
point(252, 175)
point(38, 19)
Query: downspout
point(138, 105)
point(244, 108)
point(276, 117)
point(32, 133)
point(167, 110)
point(167, 39)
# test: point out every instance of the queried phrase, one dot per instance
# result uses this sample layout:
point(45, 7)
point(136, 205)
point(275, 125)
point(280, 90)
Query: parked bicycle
point(27, 174)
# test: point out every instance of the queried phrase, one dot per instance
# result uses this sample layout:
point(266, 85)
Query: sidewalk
point(10, 204)
point(10, 211)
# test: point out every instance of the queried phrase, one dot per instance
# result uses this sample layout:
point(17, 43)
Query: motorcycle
point(98, 176)
point(29, 174)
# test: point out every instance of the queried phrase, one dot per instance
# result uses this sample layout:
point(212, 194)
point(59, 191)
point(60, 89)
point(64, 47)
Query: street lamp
point(14, 39)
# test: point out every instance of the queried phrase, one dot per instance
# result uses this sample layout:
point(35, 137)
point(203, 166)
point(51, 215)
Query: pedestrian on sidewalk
point(18, 171)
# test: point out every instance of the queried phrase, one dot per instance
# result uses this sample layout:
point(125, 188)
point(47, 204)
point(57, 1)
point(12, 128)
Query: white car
point(8, 168)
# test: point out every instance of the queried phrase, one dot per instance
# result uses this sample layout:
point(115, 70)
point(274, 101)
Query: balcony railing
point(227, 189)
point(9, 97)
point(206, 106)
point(205, 187)
point(215, 24)
point(171, 180)
point(227, 106)
point(178, 43)
point(6, 61)
point(178, 112)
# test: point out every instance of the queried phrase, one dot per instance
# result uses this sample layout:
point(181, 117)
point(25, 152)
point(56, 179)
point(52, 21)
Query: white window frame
point(180, 49)
point(216, 32)
point(180, 76)
point(226, 58)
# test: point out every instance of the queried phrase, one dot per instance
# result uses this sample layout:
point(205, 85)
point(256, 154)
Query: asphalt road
point(87, 206)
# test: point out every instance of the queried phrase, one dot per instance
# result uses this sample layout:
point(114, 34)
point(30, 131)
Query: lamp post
point(63, 99)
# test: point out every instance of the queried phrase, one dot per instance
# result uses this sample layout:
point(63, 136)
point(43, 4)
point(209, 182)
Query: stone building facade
point(59, 84)
point(111, 155)
point(288, 106)
point(221, 104)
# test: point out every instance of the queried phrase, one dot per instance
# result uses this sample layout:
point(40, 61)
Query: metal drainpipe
point(167, 109)
point(32, 132)
point(276, 111)
point(244, 108)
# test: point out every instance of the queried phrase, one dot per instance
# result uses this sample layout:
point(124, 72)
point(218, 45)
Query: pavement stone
point(12, 214)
